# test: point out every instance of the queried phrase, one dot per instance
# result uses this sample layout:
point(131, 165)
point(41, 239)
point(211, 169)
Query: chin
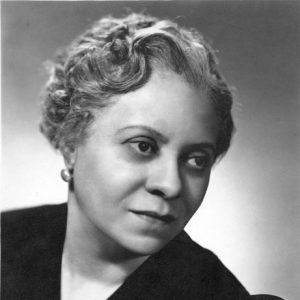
point(146, 245)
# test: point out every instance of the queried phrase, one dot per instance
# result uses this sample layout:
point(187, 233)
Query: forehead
point(167, 103)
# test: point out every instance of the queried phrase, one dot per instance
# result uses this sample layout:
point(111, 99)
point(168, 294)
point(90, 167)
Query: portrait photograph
point(150, 150)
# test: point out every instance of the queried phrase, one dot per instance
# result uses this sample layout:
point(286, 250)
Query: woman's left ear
point(69, 156)
point(70, 160)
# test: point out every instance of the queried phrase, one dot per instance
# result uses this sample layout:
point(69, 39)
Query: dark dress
point(32, 244)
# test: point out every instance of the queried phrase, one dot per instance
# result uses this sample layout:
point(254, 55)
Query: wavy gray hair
point(118, 55)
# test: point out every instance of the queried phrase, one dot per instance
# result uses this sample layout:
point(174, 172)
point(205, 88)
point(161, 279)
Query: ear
point(69, 156)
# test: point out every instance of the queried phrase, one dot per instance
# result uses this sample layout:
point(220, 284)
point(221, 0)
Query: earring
point(66, 175)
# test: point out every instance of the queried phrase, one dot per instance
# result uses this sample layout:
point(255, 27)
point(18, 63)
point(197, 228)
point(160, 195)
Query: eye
point(198, 162)
point(143, 147)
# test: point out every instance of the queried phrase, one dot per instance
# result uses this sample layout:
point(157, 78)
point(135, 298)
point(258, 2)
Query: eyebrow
point(151, 130)
point(164, 139)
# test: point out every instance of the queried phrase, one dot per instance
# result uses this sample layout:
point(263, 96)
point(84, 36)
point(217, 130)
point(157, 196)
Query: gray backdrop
point(250, 217)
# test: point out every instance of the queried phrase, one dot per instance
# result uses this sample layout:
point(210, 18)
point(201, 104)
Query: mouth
point(154, 216)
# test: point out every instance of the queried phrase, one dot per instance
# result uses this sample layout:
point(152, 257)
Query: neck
point(90, 253)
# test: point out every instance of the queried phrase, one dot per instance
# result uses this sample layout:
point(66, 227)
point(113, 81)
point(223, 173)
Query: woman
point(140, 113)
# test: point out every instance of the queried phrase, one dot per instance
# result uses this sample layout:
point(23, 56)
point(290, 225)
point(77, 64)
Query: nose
point(164, 180)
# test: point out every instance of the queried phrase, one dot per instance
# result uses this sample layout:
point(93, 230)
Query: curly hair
point(118, 55)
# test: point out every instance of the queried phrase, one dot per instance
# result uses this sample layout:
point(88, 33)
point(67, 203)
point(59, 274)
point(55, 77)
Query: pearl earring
point(66, 175)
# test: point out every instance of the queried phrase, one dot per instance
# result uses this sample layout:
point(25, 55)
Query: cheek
point(105, 176)
point(196, 189)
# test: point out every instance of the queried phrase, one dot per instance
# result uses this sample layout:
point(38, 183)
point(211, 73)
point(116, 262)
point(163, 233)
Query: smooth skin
point(138, 178)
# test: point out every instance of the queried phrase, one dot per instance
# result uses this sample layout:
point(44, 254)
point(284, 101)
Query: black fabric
point(32, 244)
point(264, 297)
point(31, 249)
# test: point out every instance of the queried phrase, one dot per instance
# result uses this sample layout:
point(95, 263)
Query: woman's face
point(144, 170)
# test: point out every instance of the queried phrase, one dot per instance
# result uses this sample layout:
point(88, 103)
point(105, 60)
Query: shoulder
point(27, 215)
point(182, 270)
point(201, 270)
point(27, 233)
point(195, 256)
point(30, 227)
point(31, 242)
point(22, 225)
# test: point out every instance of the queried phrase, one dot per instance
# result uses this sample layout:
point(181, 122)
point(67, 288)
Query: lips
point(166, 218)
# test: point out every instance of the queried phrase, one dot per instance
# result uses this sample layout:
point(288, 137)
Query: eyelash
point(146, 148)
point(204, 163)
point(138, 146)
